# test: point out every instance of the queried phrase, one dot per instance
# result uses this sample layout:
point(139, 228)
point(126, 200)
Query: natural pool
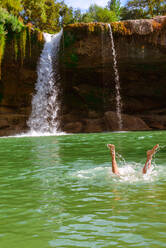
point(59, 192)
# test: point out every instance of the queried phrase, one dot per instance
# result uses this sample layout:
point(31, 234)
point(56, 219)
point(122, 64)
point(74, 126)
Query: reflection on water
point(60, 192)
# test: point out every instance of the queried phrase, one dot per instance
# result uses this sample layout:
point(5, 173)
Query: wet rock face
point(88, 78)
point(131, 123)
point(17, 87)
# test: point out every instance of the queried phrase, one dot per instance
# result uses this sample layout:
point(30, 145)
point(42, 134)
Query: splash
point(130, 173)
point(117, 81)
point(45, 106)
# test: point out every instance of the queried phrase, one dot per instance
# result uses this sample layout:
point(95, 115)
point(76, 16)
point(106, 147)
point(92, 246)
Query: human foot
point(114, 164)
point(112, 148)
point(151, 152)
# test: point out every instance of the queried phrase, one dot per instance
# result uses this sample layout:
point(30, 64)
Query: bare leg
point(114, 164)
point(149, 159)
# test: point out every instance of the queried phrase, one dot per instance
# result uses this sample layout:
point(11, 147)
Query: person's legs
point(114, 164)
point(149, 159)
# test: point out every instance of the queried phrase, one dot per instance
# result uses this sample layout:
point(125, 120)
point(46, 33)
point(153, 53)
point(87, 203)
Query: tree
point(127, 14)
point(12, 6)
point(160, 5)
point(52, 12)
point(87, 17)
point(163, 9)
point(66, 15)
point(99, 14)
point(136, 6)
point(115, 6)
point(43, 14)
point(149, 7)
point(77, 15)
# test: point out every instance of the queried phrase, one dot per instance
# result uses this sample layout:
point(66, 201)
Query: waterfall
point(45, 105)
point(117, 81)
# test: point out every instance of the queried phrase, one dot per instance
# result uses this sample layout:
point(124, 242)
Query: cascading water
point(117, 81)
point(45, 103)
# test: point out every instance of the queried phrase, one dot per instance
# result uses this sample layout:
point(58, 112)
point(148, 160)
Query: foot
point(112, 148)
point(151, 152)
point(114, 164)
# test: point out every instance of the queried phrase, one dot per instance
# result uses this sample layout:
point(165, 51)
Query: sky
point(84, 4)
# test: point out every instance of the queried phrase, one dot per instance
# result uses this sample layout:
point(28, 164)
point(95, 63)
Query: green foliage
point(87, 17)
point(43, 14)
point(10, 25)
point(50, 15)
point(102, 14)
point(9, 22)
point(115, 6)
point(15, 40)
point(67, 15)
point(143, 9)
point(23, 36)
point(131, 14)
point(68, 39)
point(77, 15)
point(13, 24)
point(99, 14)
point(2, 30)
point(74, 58)
point(12, 6)
point(29, 40)
point(95, 13)
point(2, 46)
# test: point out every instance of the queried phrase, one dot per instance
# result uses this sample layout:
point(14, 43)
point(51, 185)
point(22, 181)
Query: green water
point(59, 192)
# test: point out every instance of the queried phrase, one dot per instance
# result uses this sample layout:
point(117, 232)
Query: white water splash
point(132, 173)
point(129, 173)
point(117, 81)
point(44, 116)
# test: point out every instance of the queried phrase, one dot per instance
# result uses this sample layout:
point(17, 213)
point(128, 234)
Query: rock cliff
point(88, 85)
point(17, 83)
point(87, 78)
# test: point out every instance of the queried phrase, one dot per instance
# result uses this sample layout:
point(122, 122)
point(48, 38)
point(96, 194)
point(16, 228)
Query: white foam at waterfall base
point(44, 116)
point(35, 134)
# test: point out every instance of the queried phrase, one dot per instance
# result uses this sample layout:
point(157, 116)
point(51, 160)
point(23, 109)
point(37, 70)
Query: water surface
point(60, 192)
